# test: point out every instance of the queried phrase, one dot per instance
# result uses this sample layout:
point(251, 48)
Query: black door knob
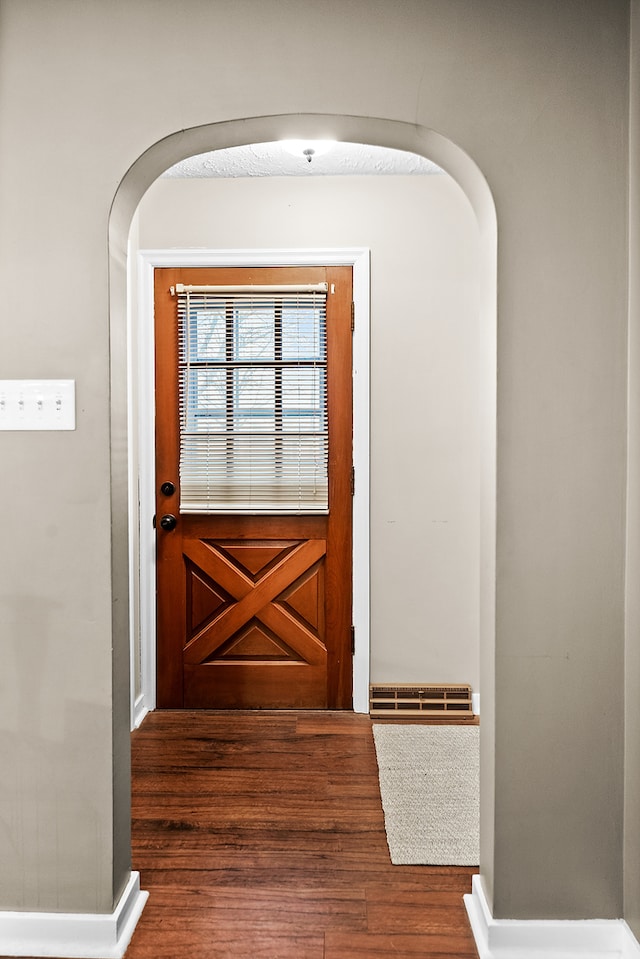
point(168, 521)
point(168, 489)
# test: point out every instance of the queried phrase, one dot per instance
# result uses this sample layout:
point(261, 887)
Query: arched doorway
point(363, 130)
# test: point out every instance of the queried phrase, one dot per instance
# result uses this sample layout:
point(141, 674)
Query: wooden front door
point(254, 603)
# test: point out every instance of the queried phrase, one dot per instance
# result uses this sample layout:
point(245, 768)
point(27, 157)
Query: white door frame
point(142, 546)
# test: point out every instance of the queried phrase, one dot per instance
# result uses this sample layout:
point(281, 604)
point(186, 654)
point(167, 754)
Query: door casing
point(142, 450)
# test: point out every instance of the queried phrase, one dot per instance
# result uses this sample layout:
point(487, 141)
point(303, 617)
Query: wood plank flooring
point(261, 836)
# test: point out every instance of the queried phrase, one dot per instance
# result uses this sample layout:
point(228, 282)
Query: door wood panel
point(255, 611)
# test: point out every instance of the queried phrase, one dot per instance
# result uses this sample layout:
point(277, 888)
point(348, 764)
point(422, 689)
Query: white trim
point(630, 945)
point(133, 507)
point(475, 703)
point(546, 938)
point(74, 935)
point(139, 710)
point(148, 260)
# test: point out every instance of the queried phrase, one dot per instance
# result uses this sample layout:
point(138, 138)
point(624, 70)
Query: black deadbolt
point(168, 489)
point(168, 521)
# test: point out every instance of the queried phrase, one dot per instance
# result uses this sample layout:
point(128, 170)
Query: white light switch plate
point(37, 404)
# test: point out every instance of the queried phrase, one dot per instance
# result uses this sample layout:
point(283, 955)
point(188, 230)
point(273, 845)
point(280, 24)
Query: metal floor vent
point(415, 699)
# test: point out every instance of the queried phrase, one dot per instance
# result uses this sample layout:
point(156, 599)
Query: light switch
point(37, 404)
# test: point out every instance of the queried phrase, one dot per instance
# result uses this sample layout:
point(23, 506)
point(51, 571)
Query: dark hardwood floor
point(261, 836)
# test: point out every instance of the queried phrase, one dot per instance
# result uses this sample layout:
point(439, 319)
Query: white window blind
point(253, 399)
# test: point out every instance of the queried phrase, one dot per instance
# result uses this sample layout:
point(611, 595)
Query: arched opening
point(379, 132)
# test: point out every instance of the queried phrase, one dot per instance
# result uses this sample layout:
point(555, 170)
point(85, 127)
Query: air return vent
point(414, 699)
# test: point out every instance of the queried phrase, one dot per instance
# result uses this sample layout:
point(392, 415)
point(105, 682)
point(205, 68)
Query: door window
point(253, 400)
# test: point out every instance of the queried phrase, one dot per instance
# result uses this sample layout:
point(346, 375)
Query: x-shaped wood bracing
point(255, 600)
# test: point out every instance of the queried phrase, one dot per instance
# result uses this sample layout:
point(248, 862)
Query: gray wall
point(425, 431)
point(632, 661)
point(536, 94)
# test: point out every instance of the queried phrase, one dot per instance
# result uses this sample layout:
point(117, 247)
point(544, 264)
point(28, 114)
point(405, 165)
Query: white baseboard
point(546, 939)
point(475, 703)
point(140, 710)
point(74, 935)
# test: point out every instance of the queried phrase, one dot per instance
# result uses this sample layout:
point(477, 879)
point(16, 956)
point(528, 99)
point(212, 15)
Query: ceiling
point(272, 159)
